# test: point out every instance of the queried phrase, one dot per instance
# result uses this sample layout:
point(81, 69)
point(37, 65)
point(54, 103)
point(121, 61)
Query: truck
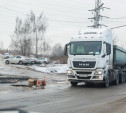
point(93, 59)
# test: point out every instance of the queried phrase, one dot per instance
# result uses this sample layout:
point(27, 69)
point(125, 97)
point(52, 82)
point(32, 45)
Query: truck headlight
point(99, 72)
point(69, 72)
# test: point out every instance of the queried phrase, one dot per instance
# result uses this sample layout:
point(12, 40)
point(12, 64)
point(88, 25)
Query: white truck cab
point(90, 56)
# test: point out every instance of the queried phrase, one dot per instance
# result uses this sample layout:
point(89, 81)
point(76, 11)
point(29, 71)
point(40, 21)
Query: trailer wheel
point(107, 82)
point(124, 76)
point(121, 77)
point(116, 82)
point(74, 83)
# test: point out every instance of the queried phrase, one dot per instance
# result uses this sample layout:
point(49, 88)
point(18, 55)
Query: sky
point(64, 17)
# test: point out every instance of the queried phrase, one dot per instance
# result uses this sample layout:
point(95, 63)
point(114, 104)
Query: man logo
point(83, 64)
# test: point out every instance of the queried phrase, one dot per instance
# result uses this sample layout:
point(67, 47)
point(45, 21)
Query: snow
point(52, 68)
point(1, 57)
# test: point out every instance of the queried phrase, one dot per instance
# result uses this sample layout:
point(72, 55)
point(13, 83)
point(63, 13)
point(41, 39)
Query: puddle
point(2, 68)
point(12, 79)
point(4, 92)
point(20, 85)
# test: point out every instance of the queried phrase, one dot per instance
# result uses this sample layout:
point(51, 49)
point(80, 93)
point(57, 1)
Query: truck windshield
point(85, 48)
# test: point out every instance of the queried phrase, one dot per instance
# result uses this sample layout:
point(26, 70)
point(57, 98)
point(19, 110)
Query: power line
point(56, 20)
point(49, 19)
point(39, 1)
point(118, 18)
point(12, 10)
point(47, 7)
point(65, 21)
point(51, 9)
point(113, 21)
point(118, 27)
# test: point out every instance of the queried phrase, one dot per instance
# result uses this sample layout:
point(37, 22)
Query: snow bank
point(57, 68)
point(1, 57)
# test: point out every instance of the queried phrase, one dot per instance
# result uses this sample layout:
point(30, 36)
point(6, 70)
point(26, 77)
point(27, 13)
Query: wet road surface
point(65, 99)
point(59, 96)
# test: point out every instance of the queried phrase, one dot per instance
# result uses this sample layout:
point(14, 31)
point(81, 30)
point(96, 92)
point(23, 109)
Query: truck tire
point(116, 81)
point(121, 77)
point(74, 83)
point(107, 82)
point(124, 76)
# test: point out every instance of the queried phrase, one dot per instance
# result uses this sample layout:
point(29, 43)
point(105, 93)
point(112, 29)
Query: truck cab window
point(85, 48)
point(80, 49)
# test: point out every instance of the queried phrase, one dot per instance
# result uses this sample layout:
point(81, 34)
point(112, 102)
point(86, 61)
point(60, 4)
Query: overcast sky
point(65, 17)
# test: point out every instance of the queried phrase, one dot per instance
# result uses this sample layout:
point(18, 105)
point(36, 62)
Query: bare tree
point(21, 39)
point(27, 32)
point(27, 41)
point(17, 42)
point(38, 25)
point(45, 48)
point(57, 50)
point(1, 45)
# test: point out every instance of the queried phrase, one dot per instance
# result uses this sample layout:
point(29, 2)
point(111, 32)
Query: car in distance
point(35, 61)
point(44, 60)
point(7, 55)
point(18, 60)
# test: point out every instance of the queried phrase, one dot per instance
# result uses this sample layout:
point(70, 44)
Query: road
point(81, 99)
point(59, 97)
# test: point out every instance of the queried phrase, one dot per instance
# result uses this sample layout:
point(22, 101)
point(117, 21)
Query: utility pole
point(97, 17)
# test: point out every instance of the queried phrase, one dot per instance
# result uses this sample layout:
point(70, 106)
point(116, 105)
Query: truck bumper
point(88, 79)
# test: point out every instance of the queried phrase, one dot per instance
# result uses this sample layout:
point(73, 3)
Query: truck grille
point(79, 72)
point(78, 64)
point(83, 77)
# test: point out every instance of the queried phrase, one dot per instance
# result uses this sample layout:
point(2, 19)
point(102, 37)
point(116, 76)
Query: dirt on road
point(118, 106)
point(58, 96)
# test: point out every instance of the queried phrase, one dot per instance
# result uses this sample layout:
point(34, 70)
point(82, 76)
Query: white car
point(44, 60)
point(7, 55)
point(35, 61)
point(18, 60)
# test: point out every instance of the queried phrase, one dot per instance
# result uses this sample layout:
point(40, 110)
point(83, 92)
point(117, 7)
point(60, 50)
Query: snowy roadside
point(51, 68)
point(55, 75)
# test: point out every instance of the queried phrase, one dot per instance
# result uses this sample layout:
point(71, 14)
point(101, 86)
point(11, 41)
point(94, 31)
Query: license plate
point(83, 75)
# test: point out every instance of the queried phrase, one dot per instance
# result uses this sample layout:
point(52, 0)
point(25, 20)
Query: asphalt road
point(59, 96)
point(67, 99)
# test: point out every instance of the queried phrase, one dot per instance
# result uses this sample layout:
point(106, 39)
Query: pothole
point(13, 79)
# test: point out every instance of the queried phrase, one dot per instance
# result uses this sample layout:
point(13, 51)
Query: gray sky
point(65, 17)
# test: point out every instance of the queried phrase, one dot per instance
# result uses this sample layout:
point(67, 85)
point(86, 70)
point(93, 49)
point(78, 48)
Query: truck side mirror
point(65, 50)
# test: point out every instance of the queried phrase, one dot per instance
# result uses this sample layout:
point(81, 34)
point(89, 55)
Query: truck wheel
point(121, 77)
point(74, 83)
point(106, 84)
point(20, 63)
point(116, 82)
point(7, 62)
point(124, 76)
